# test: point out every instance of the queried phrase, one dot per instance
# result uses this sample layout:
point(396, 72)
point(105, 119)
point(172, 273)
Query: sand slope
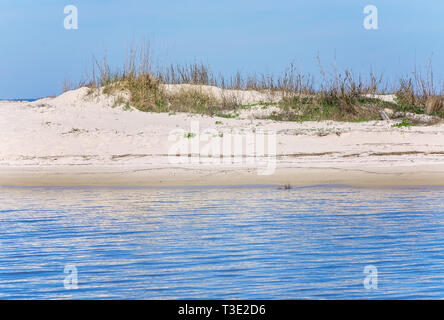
point(77, 139)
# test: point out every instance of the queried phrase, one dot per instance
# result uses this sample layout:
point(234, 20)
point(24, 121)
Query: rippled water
point(222, 242)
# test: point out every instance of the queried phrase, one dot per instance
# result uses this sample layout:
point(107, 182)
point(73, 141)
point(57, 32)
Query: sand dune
point(76, 139)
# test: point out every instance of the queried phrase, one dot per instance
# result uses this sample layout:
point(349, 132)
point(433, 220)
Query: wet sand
point(431, 175)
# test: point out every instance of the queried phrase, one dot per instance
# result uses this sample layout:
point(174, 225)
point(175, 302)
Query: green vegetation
point(260, 103)
point(320, 107)
point(404, 123)
point(227, 115)
point(189, 135)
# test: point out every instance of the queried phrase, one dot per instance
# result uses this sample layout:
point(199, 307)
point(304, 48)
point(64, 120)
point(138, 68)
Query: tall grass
point(419, 89)
point(340, 91)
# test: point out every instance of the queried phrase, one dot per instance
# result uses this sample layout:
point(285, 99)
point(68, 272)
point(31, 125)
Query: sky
point(38, 54)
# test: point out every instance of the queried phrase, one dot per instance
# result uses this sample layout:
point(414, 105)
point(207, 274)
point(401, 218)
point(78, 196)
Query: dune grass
point(339, 95)
point(403, 123)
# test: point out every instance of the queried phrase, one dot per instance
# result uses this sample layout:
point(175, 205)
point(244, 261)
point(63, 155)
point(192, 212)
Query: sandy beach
point(79, 139)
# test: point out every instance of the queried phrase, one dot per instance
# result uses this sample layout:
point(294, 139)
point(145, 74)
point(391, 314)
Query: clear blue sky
point(37, 54)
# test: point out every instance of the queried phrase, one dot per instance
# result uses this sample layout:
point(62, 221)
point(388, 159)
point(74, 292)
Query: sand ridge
point(76, 131)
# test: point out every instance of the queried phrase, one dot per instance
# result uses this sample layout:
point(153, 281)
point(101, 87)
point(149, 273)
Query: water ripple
point(222, 242)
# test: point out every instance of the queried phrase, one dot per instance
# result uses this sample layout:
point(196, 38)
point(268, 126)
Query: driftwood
point(383, 115)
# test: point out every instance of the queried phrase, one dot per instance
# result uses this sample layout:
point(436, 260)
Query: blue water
point(18, 100)
point(222, 242)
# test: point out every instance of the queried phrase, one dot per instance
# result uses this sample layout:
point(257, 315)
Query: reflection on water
point(222, 242)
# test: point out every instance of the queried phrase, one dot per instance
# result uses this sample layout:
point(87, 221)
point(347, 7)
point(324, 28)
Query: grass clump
point(227, 115)
point(144, 90)
point(194, 101)
point(404, 123)
point(189, 135)
point(418, 93)
point(318, 108)
point(435, 106)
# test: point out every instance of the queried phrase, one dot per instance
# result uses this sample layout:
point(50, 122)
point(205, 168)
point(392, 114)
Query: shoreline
point(413, 175)
point(78, 140)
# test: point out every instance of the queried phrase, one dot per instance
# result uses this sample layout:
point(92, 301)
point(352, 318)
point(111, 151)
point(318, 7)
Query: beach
point(79, 139)
point(226, 156)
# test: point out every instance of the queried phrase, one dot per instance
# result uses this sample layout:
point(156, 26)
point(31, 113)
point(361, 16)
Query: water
point(222, 242)
point(20, 100)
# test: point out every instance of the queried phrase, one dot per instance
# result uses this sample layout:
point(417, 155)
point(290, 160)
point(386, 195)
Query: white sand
point(78, 140)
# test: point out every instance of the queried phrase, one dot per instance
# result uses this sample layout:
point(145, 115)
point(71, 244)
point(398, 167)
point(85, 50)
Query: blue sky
point(37, 54)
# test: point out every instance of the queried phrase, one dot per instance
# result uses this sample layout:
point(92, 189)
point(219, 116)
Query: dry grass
point(435, 105)
point(145, 91)
point(317, 108)
point(418, 92)
point(337, 96)
point(193, 100)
